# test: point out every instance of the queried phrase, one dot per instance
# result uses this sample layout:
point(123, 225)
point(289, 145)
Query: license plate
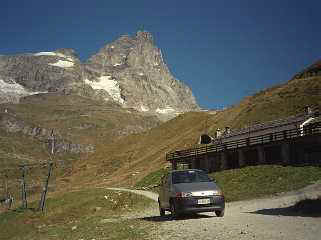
point(204, 201)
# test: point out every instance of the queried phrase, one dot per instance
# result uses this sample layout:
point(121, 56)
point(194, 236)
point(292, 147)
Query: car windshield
point(189, 177)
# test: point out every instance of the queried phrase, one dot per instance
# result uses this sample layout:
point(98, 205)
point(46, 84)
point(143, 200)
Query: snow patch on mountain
point(165, 110)
point(144, 108)
point(45, 54)
point(109, 85)
point(53, 54)
point(62, 64)
point(12, 87)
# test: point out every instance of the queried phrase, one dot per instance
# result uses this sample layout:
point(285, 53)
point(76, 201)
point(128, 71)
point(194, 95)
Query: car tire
point(220, 213)
point(161, 210)
point(173, 210)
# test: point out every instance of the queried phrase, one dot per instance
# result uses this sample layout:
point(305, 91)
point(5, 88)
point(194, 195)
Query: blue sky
point(223, 50)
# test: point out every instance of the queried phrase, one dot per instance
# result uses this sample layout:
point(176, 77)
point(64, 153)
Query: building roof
point(295, 120)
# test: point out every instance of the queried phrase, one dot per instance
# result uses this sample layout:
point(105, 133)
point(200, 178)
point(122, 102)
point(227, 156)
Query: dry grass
point(126, 160)
point(80, 119)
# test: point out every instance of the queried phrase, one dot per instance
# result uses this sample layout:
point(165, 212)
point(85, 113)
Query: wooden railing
point(220, 145)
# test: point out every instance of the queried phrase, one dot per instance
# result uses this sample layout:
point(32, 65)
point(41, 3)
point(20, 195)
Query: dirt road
point(271, 218)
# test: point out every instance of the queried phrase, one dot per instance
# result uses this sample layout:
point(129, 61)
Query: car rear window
point(189, 177)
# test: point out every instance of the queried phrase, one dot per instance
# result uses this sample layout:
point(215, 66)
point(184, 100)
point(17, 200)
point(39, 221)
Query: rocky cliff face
point(130, 71)
point(143, 79)
point(53, 140)
point(41, 72)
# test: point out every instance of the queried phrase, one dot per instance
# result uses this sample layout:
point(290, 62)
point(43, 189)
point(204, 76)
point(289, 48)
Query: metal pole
point(6, 185)
point(52, 142)
point(23, 192)
point(45, 190)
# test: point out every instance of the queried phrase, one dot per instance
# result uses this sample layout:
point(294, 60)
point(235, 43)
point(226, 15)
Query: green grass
point(16, 149)
point(86, 214)
point(262, 181)
point(252, 182)
point(85, 121)
point(152, 179)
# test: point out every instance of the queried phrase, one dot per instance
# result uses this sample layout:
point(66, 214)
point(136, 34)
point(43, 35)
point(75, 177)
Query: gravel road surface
point(270, 218)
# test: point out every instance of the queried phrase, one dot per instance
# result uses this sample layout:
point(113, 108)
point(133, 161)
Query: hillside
point(143, 153)
point(72, 118)
point(122, 159)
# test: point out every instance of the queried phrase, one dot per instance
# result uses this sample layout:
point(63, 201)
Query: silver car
point(190, 191)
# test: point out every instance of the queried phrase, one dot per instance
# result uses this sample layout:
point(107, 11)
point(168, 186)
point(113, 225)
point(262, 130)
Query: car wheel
point(161, 210)
point(174, 213)
point(219, 213)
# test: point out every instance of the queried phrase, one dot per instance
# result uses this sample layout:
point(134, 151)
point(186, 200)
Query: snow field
point(62, 64)
point(109, 85)
point(165, 110)
point(53, 54)
point(144, 108)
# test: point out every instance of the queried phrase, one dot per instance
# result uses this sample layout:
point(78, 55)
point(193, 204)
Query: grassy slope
point(145, 152)
point(142, 153)
point(15, 149)
point(251, 182)
point(273, 103)
point(79, 119)
point(260, 181)
point(85, 214)
point(126, 160)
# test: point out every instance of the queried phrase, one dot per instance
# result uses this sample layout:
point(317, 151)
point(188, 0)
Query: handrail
point(311, 129)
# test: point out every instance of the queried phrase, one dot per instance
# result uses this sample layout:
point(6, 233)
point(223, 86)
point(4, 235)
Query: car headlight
point(184, 194)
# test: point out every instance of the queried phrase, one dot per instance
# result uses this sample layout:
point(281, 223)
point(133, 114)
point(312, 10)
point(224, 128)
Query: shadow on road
point(169, 218)
point(304, 208)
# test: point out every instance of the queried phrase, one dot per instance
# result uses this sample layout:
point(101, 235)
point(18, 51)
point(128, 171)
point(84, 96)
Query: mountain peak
point(145, 82)
point(145, 36)
point(129, 71)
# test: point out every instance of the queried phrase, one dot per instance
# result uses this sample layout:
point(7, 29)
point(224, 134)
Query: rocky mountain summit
point(130, 71)
point(137, 67)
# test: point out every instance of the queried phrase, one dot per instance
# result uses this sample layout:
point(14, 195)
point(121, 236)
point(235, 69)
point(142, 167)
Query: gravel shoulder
point(269, 218)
